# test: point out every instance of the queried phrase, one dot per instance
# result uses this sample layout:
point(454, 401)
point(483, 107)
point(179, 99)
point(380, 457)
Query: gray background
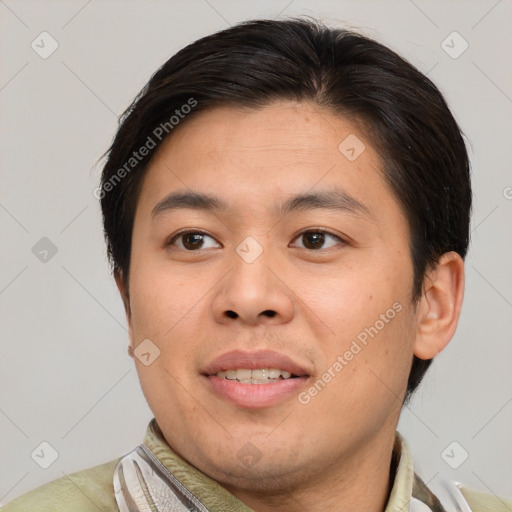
point(66, 377)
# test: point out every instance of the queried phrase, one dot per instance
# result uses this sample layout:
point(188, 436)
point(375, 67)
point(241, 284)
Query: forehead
point(299, 133)
point(252, 156)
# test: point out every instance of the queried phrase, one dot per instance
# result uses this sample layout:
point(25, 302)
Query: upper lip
point(238, 359)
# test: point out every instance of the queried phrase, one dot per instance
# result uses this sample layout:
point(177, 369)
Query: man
point(286, 208)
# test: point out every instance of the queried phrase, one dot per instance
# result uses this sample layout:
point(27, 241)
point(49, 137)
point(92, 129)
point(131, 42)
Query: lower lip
point(256, 395)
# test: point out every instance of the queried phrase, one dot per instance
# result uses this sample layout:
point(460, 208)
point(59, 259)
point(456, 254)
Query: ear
point(439, 307)
point(118, 276)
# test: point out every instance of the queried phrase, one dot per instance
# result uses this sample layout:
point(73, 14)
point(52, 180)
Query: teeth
point(242, 375)
point(259, 376)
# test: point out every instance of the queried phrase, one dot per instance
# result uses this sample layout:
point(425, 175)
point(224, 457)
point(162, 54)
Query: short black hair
point(256, 62)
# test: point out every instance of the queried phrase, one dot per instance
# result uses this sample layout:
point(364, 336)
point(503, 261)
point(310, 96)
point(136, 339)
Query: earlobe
point(440, 304)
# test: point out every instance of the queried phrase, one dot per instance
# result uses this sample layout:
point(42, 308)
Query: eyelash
point(310, 230)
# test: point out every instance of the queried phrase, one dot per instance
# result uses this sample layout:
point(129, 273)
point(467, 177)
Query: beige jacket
point(91, 490)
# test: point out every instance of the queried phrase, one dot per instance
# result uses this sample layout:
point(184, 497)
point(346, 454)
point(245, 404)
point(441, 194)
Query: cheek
point(382, 351)
point(166, 309)
point(366, 309)
point(352, 299)
point(159, 299)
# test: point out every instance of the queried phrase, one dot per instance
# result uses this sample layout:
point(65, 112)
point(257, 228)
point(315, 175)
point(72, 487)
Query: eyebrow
point(335, 200)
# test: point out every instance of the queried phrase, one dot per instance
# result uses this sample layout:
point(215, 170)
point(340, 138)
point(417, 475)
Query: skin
point(335, 451)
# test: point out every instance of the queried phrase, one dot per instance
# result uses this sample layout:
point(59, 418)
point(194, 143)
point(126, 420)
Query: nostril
point(231, 314)
point(270, 313)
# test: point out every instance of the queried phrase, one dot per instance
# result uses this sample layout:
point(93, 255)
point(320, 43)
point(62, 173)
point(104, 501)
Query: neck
point(361, 481)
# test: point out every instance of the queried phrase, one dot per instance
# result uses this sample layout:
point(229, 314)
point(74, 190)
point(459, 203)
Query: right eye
point(192, 240)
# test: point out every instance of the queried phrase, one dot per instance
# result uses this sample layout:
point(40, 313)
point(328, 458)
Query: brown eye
point(192, 240)
point(315, 239)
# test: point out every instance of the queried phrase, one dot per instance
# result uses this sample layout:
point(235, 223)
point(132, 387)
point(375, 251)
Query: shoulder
point(484, 502)
point(88, 490)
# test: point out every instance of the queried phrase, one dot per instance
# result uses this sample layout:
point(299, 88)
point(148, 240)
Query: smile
point(256, 379)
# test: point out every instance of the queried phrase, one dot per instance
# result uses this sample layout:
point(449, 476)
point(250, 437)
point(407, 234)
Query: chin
point(268, 479)
point(241, 465)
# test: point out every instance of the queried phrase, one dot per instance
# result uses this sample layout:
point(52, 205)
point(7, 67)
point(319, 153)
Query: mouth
point(255, 379)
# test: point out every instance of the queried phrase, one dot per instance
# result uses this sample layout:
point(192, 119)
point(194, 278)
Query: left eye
point(315, 239)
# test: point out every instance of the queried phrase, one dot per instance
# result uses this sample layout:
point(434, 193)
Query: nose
point(253, 293)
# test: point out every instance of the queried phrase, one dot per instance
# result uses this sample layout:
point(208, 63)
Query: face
point(271, 272)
